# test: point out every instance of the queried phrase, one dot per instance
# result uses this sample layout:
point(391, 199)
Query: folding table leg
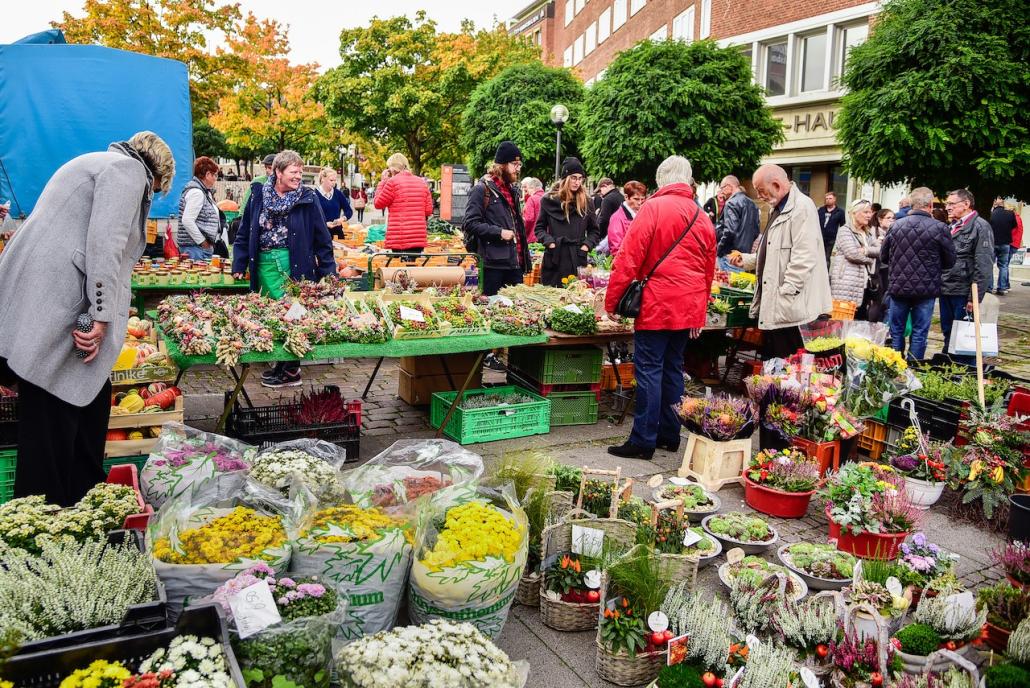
point(461, 392)
point(240, 379)
point(375, 371)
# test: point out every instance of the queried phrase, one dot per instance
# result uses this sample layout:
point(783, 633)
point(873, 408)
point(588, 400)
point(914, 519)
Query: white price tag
point(587, 541)
point(959, 608)
point(655, 481)
point(412, 314)
point(893, 586)
point(856, 573)
point(573, 308)
point(657, 621)
point(296, 312)
point(809, 678)
point(592, 579)
point(735, 555)
point(253, 609)
point(679, 482)
point(752, 642)
point(690, 538)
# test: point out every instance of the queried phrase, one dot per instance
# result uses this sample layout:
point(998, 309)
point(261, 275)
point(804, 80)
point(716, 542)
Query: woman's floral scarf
point(274, 210)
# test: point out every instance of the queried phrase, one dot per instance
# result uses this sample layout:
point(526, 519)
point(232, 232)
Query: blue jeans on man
point(953, 308)
point(921, 311)
point(658, 369)
point(196, 252)
point(1002, 255)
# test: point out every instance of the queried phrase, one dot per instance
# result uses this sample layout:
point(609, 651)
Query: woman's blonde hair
point(857, 206)
point(325, 172)
point(398, 162)
point(567, 197)
point(157, 156)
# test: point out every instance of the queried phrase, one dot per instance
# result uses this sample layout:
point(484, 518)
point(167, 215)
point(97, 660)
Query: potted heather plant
point(949, 621)
point(924, 470)
point(1006, 608)
point(869, 512)
point(1014, 558)
point(780, 482)
point(719, 417)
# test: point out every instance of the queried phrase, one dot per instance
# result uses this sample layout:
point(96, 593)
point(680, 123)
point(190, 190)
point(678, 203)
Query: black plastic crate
point(8, 421)
point(939, 419)
point(46, 669)
point(264, 426)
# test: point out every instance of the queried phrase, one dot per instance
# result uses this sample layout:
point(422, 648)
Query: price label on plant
point(679, 482)
point(296, 312)
point(690, 538)
point(809, 678)
point(735, 555)
point(573, 308)
point(655, 481)
point(587, 541)
point(253, 609)
point(752, 642)
point(893, 586)
point(592, 579)
point(657, 621)
point(412, 314)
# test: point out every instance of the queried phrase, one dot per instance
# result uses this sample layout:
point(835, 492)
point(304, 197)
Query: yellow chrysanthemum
point(473, 532)
point(351, 523)
point(241, 534)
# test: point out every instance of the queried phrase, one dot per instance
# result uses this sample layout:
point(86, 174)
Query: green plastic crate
point(558, 365)
point(740, 306)
point(573, 408)
point(468, 426)
point(881, 415)
point(139, 461)
point(8, 462)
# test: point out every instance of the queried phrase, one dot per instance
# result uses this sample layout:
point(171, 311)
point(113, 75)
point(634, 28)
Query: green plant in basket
point(566, 575)
point(622, 629)
point(918, 639)
point(597, 497)
point(741, 527)
point(1006, 605)
point(693, 496)
point(635, 588)
point(566, 478)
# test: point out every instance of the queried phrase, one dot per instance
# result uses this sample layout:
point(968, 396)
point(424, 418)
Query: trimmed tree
point(938, 96)
point(516, 106)
point(672, 98)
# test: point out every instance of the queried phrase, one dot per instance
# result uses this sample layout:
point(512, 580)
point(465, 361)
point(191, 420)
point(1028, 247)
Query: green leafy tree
point(940, 96)
point(672, 98)
point(403, 83)
point(515, 106)
point(208, 141)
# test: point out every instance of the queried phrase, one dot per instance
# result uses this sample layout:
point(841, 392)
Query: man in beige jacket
point(793, 286)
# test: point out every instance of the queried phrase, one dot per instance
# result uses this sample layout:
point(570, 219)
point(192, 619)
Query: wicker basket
point(528, 592)
point(576, 616)
point(678, 568)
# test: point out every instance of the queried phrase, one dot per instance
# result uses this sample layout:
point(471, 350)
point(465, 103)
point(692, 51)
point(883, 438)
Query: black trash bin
point(1019, 517)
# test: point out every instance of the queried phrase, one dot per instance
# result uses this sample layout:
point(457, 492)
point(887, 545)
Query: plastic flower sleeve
point(313, 463)
point(300, 651)
point(176, 532)
point(875, 375)
point(473, 583)
point(409, 469)
point(366, 555)
point(185, 458)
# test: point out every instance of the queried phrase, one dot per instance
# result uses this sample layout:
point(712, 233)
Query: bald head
point(729, 185)
point(771, 183)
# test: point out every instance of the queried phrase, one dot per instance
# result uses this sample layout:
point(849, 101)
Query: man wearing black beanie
point(493, 225)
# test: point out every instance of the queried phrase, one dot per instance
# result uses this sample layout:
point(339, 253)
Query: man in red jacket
point(679, 268)
point(409, 203)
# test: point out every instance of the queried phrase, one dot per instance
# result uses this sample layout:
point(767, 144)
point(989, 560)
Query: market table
point(141, 291)
point(395, 348)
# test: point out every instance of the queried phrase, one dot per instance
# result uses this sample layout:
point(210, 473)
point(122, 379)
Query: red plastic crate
point(827, 454)
point(128, 475)
point(520, 378)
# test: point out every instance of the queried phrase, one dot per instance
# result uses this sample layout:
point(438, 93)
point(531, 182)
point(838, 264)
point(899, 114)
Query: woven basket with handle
point(528, 592)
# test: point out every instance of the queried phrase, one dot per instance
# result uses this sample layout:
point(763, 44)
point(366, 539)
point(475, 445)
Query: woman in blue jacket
point(282, 236)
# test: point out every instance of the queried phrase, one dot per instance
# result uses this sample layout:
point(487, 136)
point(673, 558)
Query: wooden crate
point(714, 464)
point(129, 447)
point(146, 420)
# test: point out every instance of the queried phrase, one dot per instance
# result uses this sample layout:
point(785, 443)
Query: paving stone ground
point(566, 660)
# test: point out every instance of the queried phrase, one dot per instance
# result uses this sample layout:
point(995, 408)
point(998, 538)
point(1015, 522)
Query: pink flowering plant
point(923, 561)
point(1014, 558)
point(719, 417)
point(857, 662)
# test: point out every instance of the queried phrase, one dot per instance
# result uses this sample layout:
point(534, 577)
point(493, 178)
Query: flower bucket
point(775, 502)
point(922, 493)
point(883, 546)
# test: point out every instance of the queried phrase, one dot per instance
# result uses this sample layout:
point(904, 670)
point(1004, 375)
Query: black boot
point(631, 451)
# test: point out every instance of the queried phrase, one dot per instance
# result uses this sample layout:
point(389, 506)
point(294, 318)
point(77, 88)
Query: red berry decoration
point(709, 679)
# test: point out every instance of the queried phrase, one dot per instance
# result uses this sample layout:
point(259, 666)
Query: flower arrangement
point(622, 630)
point(196, 663)
point(597, 497)
point(741, 527)
point(460, 315)
point(281, 468)
point(566, 578)
point(991, 466)
point(758, 601)
point(819, 345)
point(27, 522)
point(702, 616)
point(671, 531)
point(743, 280)
point(866, 497)
point(425, 322)
point(821, 561)
point(770, 666)
point(473, 531)
point(636, 587)
point(788, 470)
point(718, 417)
point(929, 466)
point(241, 534)
point(877, 596)
point(754, 571)
point(350, 523)
point(407, 489)
point(295, 597)
point(877, 375)
point(71, 586)
point(923, 561)
point(440, 653)
point(694, 497)
point(1006, 606)
point(857, 662)
point(951, 621)
point(99, 674)
point(808, 626)
point(1014, 558)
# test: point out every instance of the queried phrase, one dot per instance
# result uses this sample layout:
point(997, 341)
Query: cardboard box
point(419, 390)
point(457, 364)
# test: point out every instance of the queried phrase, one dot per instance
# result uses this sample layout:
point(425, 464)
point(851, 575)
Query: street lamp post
point(559, 115)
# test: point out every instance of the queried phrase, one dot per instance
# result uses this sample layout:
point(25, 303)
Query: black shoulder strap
point(675, 243)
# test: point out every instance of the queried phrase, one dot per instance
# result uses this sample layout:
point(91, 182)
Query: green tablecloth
point(240, 284)
point(391, 349)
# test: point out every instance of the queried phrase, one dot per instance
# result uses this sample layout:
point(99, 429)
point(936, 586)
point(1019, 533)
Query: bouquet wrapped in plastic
point(876, 374)
point(315, 464)
point(185, 458)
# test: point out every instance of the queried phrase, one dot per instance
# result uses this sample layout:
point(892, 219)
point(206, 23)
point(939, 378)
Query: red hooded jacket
point(409, 202)
point(676, 297)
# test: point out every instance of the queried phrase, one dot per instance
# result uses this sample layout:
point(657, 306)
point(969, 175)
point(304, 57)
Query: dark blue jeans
point(1002, 255)
point(921, 311)
point(658, 369)
point(495, 279)
point(953, 308)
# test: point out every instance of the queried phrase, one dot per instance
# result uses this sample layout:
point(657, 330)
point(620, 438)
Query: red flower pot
point(826, 454)
point(996, 638)
point(882, 546)
point(776, 502)
point(1015, 584)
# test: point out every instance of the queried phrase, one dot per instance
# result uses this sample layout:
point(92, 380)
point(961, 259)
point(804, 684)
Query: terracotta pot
point(997, 638)
point(775, 502)
point(868, 545)
point(1015, 583)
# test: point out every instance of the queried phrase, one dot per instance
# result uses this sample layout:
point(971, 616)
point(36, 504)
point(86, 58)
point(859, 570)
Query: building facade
point(797, 51)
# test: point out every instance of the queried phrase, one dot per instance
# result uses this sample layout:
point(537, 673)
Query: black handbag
point(632, 299)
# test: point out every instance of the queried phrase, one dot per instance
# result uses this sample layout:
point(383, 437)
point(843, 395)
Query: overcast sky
point(314, 24)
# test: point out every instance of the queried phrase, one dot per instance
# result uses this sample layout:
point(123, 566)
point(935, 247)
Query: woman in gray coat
point(853, 261)
point(74, 256)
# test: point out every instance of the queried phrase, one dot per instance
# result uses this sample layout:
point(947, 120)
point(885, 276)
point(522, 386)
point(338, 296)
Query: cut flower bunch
point(188, 662)
point(243, 533)
point(351, 523)
point(280, 468)
point(719, 417)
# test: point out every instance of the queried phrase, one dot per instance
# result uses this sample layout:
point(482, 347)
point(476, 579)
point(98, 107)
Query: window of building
point(567, 61)
point(706, 18)
point(579, 5)
point(569, 11)
point(536, 37)
point(802, 176)
point(776, 68)
point(577, 49)
point(591, 39)
point(661, 34)
point(618, 14)
point(813, 62)
point(848, 38)
point(604, 25)
point(745, 50)
point(683, 26)
point(635, 6)
point(839, 184)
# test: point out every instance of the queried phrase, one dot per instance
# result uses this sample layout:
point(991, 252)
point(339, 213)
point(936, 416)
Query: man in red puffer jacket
point(674, 305)
point(408, 202)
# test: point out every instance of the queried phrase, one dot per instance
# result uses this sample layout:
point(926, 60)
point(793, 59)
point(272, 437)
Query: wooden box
point(419, 390)
point(714, 464)
point(457, 364)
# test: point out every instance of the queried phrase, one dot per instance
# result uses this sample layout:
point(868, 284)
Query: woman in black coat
point(566, 226)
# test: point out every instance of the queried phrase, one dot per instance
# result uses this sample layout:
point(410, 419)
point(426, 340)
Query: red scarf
point(505, 190)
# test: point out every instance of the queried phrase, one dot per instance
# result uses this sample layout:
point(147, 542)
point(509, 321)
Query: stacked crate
point(570, 377)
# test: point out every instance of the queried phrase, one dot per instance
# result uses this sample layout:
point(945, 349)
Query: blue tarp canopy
point(58, 101)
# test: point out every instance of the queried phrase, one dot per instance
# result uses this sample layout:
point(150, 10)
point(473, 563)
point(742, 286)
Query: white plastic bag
point(315, 464)
point(185, 458)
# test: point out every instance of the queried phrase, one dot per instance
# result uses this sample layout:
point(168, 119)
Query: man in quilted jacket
point(918, 249)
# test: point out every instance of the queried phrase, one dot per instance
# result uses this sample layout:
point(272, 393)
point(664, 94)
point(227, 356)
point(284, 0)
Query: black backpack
point(470, 240)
